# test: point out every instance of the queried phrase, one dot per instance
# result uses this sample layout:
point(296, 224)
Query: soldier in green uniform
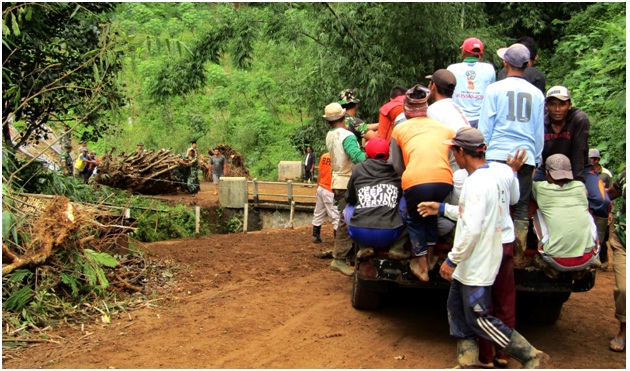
point(348, 100)
point(66, 160)
point(192, 182)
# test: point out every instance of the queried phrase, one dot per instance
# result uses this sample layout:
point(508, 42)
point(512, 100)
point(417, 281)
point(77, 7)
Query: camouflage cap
point(348, 96)
point(141, 144)
point(67, 146)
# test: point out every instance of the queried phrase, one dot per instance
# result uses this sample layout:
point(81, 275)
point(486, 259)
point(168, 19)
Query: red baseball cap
point(377, 148)
point(473, 45)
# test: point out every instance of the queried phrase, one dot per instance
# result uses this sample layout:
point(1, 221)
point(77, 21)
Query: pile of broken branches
point(235, 162)
point(58, 254)
point(144, 172)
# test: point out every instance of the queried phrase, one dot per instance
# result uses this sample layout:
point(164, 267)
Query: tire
point(364, 299)
point(540, 308)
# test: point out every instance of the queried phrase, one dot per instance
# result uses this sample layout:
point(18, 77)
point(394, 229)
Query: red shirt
point(388, 114)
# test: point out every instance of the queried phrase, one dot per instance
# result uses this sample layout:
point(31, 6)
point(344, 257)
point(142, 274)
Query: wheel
point(542, 308)
point(363, 298)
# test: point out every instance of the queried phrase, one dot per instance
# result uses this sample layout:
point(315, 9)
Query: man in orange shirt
point(419, 154)
point(390, 111)
point(325, 203)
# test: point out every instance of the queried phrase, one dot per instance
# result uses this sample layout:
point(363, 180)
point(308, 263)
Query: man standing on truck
point(473, 77)
point(344, 153)
point(474, 261)
point(512, 117)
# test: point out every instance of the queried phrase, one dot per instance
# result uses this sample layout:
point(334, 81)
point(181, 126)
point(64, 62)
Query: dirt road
point(262, 300)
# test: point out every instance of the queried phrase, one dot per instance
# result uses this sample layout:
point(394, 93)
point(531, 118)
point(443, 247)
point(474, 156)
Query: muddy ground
point(262, 300)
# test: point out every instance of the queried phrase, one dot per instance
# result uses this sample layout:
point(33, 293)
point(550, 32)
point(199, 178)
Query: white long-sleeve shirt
point(477, 249)
point(510, 193)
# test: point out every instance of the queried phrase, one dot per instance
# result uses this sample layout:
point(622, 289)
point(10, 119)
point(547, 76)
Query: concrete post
point(232, 192)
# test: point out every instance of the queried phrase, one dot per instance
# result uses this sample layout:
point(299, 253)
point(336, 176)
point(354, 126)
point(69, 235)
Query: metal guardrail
point(289, 194)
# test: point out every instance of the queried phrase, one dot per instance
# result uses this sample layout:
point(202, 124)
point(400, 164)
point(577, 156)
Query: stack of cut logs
point(146, 172)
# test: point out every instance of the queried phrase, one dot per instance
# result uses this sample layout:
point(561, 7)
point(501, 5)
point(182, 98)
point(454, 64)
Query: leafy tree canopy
point(60, 64)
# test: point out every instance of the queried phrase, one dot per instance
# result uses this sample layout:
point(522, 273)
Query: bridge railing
point(280, 192)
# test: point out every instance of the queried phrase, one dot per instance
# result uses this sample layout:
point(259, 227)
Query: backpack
point(80, 164)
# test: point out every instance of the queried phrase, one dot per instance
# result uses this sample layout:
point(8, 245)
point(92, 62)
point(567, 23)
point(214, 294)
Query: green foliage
point(18, 299)
point(173, 223)
point(591, 62)
point(60, 66)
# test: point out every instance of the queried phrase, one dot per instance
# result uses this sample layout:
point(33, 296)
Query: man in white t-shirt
point(473, 77)
point(443, 109)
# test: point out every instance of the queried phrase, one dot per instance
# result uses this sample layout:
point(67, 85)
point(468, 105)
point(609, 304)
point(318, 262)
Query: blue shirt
point(512, 117)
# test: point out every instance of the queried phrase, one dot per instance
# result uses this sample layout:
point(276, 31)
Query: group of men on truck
point(481, 148)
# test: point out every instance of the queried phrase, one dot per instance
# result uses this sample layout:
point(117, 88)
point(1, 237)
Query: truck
point(539, 299)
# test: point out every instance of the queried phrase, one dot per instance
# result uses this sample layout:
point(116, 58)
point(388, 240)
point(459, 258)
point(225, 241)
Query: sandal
point(617, 345)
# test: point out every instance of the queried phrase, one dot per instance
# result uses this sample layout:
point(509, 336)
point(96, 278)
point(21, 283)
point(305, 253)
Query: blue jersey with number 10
point(512, 117)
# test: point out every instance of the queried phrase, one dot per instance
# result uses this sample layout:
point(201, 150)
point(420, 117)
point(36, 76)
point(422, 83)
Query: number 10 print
point(522, 105)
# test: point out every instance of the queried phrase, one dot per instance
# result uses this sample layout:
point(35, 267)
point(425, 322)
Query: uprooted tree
point(145, 172)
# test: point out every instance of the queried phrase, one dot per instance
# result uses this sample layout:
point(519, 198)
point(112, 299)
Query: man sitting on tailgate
point(566, 231)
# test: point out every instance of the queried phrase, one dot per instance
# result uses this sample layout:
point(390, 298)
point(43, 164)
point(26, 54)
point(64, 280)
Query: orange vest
point(325, 171)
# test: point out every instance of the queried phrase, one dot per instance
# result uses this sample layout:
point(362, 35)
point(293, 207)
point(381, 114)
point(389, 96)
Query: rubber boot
point(521, 228)
point(341, 266)
point(316, 231)
point(521, 350)
point(467, 353)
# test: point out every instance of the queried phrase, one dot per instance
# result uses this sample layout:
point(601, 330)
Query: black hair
point(531, 45)
point(397, 91)
point(193, 142)
point(348, 106)
point(471, 153)
point(341, 119)
point(443, 91)
point(418, 94)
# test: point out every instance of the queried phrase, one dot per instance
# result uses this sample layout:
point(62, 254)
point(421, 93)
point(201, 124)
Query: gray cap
point(559, 166)
point(516, 55)
point(593, 152)
point(443, 78)
point(468, 138)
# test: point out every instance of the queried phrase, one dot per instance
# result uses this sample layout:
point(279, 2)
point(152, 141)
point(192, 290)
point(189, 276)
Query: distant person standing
point(325, 198)
point(512, 117)
point(534, 76)
point(473, 77)
point(604, 174)
point(140, 147)
point(66, 139)
point(219, 167)
point(309, 164)
point(85, 173)
point(66, 160)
